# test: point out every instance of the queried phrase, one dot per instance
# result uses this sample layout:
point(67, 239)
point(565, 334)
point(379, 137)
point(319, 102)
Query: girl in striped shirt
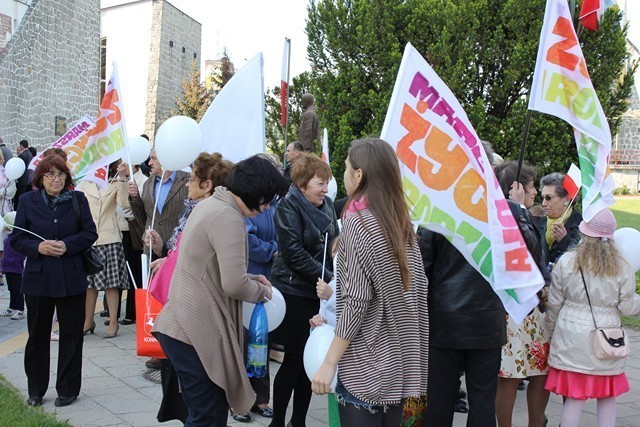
point(381, 338)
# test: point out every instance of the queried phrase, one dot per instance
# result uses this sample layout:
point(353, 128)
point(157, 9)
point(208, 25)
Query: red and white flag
point(591, 13)
point(325, 146)
point(572, 181)
point(284, 82)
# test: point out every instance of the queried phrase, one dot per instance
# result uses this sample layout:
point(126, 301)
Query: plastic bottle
point(257, 349)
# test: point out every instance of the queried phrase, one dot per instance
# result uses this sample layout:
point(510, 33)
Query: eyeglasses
point(53, 176)
point(547, 197)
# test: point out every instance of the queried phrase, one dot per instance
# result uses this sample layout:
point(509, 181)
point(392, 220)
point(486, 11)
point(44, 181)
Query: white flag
point(234, 123)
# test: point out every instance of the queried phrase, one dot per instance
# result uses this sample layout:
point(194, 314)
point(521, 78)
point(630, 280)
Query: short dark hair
point(554, 180)
point(506, 174)
point(45, 165)
point(24, 143)
point(297, 146)
point(256, 181)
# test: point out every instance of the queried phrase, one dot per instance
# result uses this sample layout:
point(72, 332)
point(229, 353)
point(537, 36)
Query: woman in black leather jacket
point(304, 220)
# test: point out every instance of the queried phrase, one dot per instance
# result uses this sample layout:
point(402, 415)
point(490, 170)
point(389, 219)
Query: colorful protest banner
point(106, 142)
point(562, 88)
point(450, 186)
point(73, 142)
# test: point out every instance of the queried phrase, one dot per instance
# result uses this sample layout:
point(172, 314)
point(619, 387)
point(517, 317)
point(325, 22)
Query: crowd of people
point(411, 315)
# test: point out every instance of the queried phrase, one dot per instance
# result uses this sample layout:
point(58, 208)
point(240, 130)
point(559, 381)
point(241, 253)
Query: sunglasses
point(547, 197)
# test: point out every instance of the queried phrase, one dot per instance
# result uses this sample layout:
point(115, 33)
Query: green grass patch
point(627, 213)
point(15, 412)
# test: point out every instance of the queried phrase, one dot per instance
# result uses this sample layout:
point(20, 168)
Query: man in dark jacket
point(6, 152)
point(309, 130)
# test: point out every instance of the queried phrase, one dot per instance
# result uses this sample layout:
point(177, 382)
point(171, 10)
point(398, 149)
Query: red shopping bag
point(147, 309)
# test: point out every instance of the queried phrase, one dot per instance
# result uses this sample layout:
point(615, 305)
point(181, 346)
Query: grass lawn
point(15, 411)
point(627, 212)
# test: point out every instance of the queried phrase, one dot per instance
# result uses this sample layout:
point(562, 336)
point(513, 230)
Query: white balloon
point(627, 241)
point(139, 149)
point(14, 168)
point(9, 218)
point(276, 309)
point(178, 142)
point(316, 350)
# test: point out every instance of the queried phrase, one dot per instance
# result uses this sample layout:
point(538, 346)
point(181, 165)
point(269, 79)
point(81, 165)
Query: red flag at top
point(284, 82)
point(572, 181)
point(592, 11)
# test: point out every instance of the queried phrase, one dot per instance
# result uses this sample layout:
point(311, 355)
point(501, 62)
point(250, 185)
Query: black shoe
point(104, 313)
point(461, 406)
point(521, 385)
point(265, 412)
point(153, 363)
point(242, 418)
point(461, 394)
point(65, 400)
point(34, 401)
point(127, 322)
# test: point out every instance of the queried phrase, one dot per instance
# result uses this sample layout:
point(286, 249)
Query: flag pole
point(527, 121)
point(124, 123)
point(286, 117)
point(569, 207)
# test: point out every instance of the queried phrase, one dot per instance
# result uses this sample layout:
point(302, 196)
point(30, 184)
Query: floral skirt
point(527, 349)
point(583, 386)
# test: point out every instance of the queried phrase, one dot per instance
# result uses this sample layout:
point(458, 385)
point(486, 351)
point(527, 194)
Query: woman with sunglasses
point(560, 231)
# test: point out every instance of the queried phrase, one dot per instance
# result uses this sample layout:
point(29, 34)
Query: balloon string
point(25, 230)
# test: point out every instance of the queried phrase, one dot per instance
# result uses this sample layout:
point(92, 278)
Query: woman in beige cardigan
point(200, 327)
point(109, 244)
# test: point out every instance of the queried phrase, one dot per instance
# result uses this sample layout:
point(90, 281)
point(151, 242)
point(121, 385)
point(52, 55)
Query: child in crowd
point(12, 265)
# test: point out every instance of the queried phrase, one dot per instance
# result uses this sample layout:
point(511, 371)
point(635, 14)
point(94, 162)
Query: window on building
point(103, 66)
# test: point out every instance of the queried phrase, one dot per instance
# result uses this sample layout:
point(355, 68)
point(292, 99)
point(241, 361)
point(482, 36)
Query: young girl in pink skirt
point(575, 372)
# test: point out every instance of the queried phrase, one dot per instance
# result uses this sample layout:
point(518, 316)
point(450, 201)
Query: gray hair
point(555, 180)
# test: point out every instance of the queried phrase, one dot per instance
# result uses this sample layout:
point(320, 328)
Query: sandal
point(264, 412)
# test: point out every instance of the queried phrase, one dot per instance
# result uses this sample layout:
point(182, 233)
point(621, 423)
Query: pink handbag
point(161, 280)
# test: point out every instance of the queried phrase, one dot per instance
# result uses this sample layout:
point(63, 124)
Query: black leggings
point(291, 377)
point(351, 415)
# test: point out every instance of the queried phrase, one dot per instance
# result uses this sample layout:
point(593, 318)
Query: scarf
point(548, 235)
point(188, 207)
point(318, 216)
point(355, 206)
point(54, 201)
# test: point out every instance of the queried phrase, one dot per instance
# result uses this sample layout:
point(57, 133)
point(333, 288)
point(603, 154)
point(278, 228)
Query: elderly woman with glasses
point(54, 277)
point(560, 230)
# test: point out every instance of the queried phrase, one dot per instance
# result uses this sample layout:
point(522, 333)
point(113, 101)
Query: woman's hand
point(155, 265)
point(321, 383)
point(517, 193)
point(268, 291)
point(559, 232)
point(132, 189)
point(316, 321)
point(123, 169)
point(156, 240)
point(323, 290)
point(52, 248)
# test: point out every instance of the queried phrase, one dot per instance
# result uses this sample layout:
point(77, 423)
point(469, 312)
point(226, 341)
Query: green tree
point(484, 50)
point(195, 97)
point(224, 74)
point(275, 130)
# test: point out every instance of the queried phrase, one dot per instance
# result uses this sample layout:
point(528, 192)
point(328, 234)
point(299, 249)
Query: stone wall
point(175, 44)
point(50, 68)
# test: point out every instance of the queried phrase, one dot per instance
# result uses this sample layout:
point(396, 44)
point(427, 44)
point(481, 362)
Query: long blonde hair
point(381, 187)
point(598, 257)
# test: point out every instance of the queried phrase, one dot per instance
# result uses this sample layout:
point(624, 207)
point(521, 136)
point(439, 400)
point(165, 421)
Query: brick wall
point(50, 68)
point(175, 38)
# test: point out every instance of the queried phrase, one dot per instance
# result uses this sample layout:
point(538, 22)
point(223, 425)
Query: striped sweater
point(387, 326)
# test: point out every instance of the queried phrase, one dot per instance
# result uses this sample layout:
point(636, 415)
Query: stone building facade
point(175, 45)
point(49, 70)
point(625, 147)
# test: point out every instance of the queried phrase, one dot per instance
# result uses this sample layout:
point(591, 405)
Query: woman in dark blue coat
point(54, 277)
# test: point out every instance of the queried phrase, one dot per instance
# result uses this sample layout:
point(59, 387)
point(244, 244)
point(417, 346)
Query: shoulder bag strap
point(76, 208)
point(584, 282)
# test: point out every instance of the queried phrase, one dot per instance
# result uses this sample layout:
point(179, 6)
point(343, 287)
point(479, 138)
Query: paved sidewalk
point(115, 393)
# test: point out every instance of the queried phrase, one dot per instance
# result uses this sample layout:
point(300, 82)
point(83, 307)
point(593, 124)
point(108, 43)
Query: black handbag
point(91, 259)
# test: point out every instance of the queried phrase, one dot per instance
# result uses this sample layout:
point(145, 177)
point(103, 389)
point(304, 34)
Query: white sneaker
point(18, 315)
point(7, 313)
